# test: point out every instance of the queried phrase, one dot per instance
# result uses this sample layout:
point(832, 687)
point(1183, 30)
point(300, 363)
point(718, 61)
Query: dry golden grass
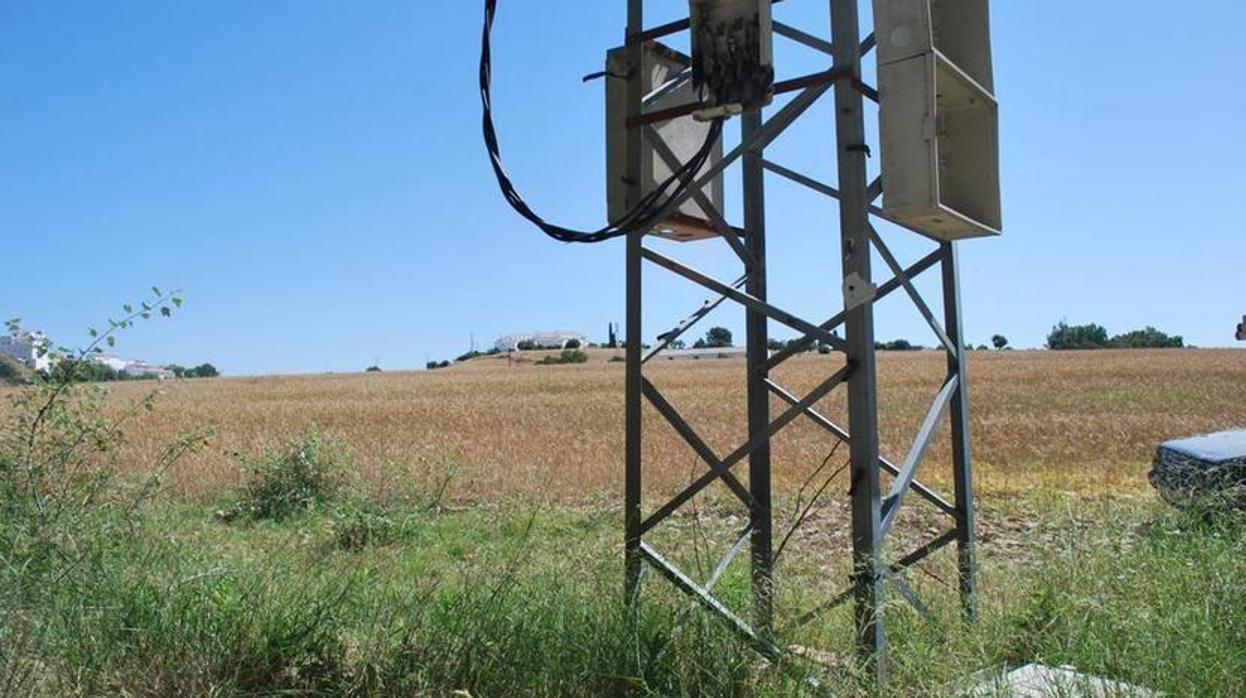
point(1076, 421)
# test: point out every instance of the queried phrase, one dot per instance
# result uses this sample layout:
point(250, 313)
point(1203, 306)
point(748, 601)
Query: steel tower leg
point(633, 332)
point(759, 472)
point(961, 437)
point(859, 331)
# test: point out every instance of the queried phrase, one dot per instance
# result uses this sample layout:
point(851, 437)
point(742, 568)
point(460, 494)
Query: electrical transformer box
point(666, 83)
point(939, 118)
point(732, 55)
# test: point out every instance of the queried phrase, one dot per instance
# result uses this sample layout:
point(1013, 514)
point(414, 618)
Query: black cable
point(641, 217)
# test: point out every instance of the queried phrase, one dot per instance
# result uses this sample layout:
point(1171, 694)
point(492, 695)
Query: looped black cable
point(641, 217)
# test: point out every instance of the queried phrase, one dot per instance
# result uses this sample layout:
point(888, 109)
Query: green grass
point(517, 601)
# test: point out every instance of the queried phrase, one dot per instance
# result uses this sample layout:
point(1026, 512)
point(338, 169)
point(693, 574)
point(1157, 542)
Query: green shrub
point(298, 476)
point(566, 356)
point(360, 523)
point(1065, 336)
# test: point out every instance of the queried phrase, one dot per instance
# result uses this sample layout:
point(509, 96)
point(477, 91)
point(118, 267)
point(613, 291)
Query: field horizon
point(1083, 422)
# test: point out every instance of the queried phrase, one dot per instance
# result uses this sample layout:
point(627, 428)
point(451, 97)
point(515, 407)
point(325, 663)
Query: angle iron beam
point(821, 78)
point(642, 35)
point(710, 583)
point(837, 431)
point(805, 342)
point(962, 470)
point(906, 592)
point(685, 430)
point(865, 493)
point(927, 549)
point(908, 469)
point(805, 38)
point(770, 131)
point(812, 614)
point(726, 463)
point(753, 180)
point(724, 229)
point(868, 44)
point(911, 290)
point(875, 191)
point(755, 304)
point(665, 339)
point(633, 455)
point(711, 602)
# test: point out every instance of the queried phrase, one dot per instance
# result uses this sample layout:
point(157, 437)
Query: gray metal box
point(684, 136)
point(939, 117)
point(732, 45)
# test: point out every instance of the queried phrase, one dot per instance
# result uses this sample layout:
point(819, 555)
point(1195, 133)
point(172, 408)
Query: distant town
point(34, 351)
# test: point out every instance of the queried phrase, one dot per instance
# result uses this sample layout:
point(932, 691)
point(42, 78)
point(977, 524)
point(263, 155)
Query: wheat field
point(1084, 421)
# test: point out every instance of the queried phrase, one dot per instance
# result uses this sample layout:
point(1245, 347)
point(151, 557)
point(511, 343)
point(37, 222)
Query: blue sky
point(311, 175)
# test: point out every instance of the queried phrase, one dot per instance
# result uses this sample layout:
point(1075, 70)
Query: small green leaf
point(128, 308)
point(146, 306)
point(164, 310)
point(146, 316)
point(112, 341)
point(92, 331)
point(156, 290)
point(177, 301)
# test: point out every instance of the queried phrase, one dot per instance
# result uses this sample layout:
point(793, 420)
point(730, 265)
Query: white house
point(542, 340)
point(142, 369)
point(31, 348)
point(116, 363)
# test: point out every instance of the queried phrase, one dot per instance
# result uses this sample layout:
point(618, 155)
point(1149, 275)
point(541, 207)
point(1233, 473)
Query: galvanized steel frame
point(873, 514)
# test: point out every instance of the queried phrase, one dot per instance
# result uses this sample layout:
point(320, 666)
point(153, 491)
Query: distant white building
point(131, 367)
point(142, 369)
point(541, 340)
point(30, 348)
point(116, 363)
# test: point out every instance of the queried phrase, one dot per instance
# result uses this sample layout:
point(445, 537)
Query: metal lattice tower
point(874, 509)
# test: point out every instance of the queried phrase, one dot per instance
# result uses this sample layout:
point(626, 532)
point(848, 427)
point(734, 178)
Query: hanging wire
point(640, 218)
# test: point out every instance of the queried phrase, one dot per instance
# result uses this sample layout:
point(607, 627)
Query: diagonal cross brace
point(694, 439)
point(772, 129)
point(916, 297)
point(908, 469)
point(744, 299)
point(665, 339)
point(724, 229)
point(711, 602)
point(736, 456)
point(797, 346)
point(842, 434)
point(929, 548)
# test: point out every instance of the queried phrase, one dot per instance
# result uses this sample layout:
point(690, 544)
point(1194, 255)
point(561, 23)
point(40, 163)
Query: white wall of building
point(31, 348)
point(540, 340)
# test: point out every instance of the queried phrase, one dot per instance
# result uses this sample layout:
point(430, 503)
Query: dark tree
point(1147, 338)
point(1065, 336)
point(1000, 341)
point(205, 371)
point(718, 337)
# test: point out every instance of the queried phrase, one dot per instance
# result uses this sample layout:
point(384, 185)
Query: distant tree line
point(87, 371)
point(1092, 336)
point(204, 370)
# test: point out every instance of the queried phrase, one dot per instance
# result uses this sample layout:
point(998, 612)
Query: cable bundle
point(642, 217)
